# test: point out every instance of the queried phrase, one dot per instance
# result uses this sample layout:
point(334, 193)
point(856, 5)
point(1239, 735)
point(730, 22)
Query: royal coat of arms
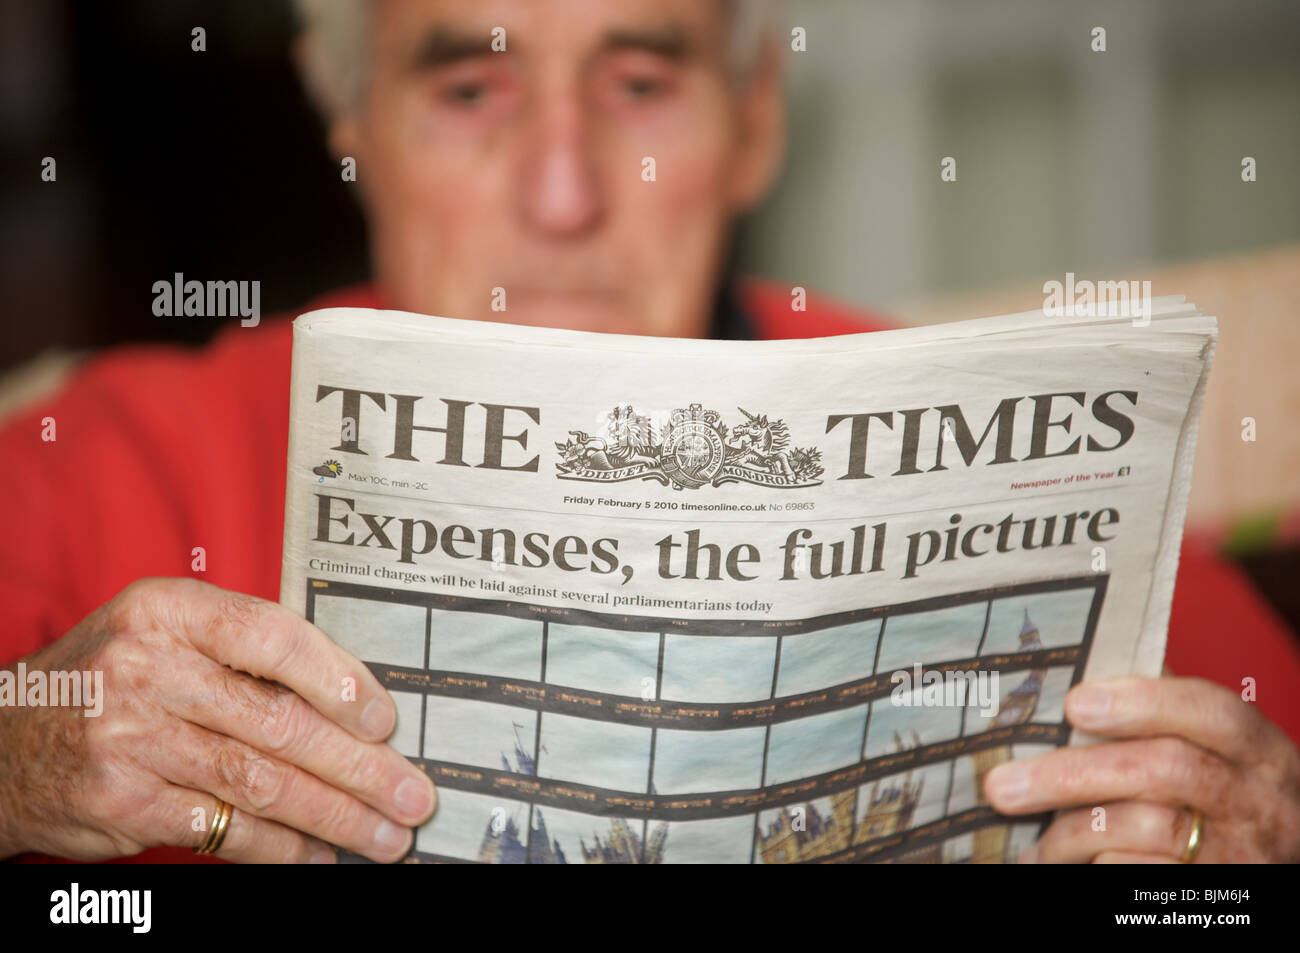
point(694, 448)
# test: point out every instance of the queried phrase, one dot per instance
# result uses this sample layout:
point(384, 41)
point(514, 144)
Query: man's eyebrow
point(442, 46)
point(669, 42)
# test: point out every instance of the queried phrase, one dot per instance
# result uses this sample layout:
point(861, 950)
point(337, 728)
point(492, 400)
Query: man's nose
point(560, 188)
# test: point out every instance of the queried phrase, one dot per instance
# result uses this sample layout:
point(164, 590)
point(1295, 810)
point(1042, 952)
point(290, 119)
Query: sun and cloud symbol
point(330, 468)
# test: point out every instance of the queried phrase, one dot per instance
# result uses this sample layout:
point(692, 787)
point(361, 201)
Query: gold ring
point(217, 833)
point(1194, 838)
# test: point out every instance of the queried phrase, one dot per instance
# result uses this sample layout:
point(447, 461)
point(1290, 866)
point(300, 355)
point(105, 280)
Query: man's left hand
point(1181, 743)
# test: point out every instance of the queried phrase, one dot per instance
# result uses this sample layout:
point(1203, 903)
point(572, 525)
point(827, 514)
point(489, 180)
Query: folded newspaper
point(656, 600)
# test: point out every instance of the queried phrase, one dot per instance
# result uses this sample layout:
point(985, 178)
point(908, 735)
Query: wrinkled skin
point(1174, 743)
point(207, 692)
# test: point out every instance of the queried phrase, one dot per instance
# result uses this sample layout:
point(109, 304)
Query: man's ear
point(343, 136)
point(761, 128)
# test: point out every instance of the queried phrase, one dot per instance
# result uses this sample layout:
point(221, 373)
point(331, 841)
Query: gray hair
point(334, 62)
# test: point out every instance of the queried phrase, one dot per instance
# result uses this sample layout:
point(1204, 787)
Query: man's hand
point(208, 694)
point(1186, 743)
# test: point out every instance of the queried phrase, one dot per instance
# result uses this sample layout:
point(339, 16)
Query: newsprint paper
point(652, 600)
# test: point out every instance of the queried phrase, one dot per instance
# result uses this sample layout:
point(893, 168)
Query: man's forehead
point(423, 33)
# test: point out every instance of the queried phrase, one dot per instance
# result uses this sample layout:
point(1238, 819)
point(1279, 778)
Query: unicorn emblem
point(760, 445)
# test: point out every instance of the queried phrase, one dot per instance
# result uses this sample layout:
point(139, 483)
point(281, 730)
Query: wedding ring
point(1194, 838)
point(217, 833)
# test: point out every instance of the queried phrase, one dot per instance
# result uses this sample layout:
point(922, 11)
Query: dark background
point(212, 164)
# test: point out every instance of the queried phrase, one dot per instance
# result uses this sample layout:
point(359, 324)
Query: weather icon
point(330, 468)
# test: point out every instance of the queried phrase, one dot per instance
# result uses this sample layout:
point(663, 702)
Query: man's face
point(526, 170)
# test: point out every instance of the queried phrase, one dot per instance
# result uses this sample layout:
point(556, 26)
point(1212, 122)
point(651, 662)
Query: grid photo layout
point(569, 736)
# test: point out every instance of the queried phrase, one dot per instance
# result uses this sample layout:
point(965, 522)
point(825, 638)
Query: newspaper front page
point(653, 600)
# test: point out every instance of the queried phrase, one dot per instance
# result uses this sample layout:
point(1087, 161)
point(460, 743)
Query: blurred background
point(1098, 163)
point(1123, 164)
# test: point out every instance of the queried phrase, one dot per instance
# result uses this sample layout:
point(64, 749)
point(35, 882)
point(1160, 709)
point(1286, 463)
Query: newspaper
point(655, 600)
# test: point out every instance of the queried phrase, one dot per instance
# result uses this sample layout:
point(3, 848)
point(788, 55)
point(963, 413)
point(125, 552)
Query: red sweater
point(160, 449)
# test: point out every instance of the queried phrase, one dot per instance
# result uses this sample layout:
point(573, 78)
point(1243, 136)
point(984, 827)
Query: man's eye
point(642, 87)
point(465, 94)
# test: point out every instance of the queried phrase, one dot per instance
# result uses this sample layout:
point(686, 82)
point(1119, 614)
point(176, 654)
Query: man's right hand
point(208, 694)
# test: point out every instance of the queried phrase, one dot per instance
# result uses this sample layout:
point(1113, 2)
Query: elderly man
point(498, 143)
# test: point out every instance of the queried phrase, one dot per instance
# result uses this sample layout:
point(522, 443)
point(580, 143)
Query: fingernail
point(1029, 855)
point(390, 837)
point(413, 797)
point(324, 856)
point(1008, 784)
point(1090, 703)
point(377, 719)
